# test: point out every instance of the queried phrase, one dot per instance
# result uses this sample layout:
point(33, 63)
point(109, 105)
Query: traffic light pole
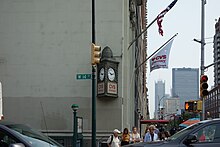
point(93, 106)
point(202, 50)
point(93, 82)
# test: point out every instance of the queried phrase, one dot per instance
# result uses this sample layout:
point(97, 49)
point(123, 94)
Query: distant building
point(159, 95)
point(171, 106)
point(185, 84)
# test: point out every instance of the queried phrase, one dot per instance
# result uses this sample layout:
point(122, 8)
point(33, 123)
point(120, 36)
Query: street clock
point(102, 74)
point(111, 74)
point(107, 76)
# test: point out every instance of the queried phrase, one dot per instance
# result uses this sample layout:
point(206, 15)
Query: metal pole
point(93, 107)
point(135, 39)
point(159, 106)
point(211, 64)
point(93, 21)
point(174, 121)
point(93, 82)
point(171, 5)
point(156, 51)
point(202, 50)
point(74, 129)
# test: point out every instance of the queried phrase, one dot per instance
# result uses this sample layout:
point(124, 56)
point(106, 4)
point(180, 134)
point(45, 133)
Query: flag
point(161, 59)
point(161, 15)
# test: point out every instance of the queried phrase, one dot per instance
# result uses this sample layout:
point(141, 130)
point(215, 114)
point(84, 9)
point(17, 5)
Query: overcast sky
point(185, 19)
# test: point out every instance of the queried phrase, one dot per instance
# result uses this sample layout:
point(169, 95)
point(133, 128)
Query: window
point(5, 140)
point(209, 133)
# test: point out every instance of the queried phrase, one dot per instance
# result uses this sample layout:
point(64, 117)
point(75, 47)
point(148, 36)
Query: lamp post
point(74, 107)
point(93, 80)
point(159, 106)
point(202, 42)
point(202, 50)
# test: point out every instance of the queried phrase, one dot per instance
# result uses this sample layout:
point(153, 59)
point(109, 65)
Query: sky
point(185, 19)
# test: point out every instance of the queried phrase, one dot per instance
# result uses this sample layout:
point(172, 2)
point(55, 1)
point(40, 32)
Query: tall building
point(159, 96)
point(45, 64)
point(212, 105)
point(216, 54)
point(185, 84)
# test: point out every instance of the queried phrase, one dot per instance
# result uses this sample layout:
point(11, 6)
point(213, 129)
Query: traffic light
point(95, 54)
point(203, 86)
point(189, 106)
point(199, 105)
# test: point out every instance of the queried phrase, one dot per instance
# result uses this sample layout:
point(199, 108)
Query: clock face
point(111, 74)
point(101, 74)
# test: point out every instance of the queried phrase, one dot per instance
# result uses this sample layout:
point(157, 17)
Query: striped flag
point(161, 15)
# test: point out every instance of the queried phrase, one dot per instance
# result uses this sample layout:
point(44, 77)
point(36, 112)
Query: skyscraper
point(185, 84)
point(159, 95)
point(212, 104)
point(217, 53)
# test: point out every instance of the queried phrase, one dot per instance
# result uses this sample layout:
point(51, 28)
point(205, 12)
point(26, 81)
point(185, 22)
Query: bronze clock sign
point(107, 76)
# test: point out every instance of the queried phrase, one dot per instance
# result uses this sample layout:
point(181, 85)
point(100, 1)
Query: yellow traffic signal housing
point(95, 54)
point(203, 86)
point(199, 105)
point(195, 106)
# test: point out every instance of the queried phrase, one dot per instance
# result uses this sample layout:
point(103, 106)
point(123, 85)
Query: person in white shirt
point(151, 135)
point(135, 136)
point(113, 140)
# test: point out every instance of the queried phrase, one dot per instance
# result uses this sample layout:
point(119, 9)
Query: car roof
point(210, 120)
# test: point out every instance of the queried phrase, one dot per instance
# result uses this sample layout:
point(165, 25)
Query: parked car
point(19, 135)
point(204, 133)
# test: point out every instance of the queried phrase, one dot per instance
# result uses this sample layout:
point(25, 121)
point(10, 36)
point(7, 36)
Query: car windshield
point(35, 138)
point(183, 132)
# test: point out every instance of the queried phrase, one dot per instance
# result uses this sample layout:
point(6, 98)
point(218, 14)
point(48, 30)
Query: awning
point(189, 122)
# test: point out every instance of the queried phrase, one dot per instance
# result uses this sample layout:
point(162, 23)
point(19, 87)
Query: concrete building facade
point(44, 45)
point(185, 84)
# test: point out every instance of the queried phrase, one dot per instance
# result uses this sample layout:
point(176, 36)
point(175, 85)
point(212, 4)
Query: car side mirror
point(192, 138)
point(17, 145)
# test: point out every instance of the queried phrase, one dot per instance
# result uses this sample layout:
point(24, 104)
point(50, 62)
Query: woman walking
point(125, 137)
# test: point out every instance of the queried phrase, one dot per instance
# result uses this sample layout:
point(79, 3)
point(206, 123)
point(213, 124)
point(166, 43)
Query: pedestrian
point(146, 130)
point(157, 131)
point(151, 135)
point(113, 140)
point(167, 135)
point(125, 137)
point(172, 131)
point(135, 136)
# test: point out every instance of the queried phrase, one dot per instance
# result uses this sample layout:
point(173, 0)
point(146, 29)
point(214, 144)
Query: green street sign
point(83, 76)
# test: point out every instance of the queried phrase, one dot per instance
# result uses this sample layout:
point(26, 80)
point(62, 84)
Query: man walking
point(113, 140)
